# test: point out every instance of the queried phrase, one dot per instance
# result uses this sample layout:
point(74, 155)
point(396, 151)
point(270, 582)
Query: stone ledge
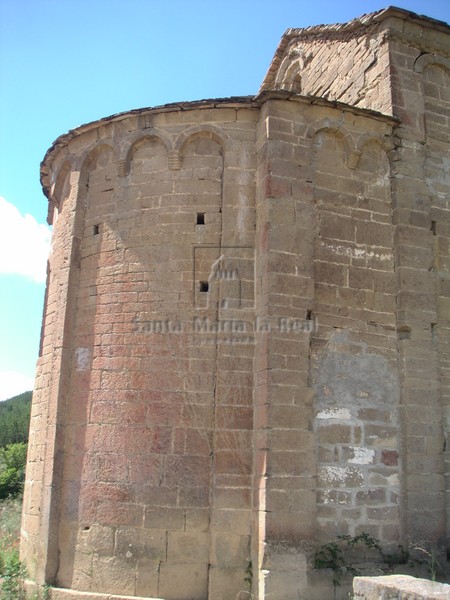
point(399, 587)
point(66, 594)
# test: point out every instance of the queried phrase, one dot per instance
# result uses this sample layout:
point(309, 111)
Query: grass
point(10, 516)
point(11, 569)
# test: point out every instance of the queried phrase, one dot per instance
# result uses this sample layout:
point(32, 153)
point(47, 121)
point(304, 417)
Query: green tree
point(15, 419)
point(13, 459)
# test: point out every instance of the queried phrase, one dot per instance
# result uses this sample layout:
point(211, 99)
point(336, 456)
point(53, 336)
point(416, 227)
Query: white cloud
point(24, 243)
point(13, 384)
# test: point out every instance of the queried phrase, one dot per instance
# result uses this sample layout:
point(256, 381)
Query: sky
point(68, 62)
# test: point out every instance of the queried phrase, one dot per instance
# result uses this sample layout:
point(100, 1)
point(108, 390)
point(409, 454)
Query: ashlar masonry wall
point(245, 348)
point(140, 503)
point(354, 352)
point(409, 71)
point(421, 201)
point(348, 63)
point(327, 408)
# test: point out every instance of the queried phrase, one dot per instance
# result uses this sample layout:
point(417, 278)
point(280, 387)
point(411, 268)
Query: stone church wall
point(245, 347)
point(141, 503)
point(338, 65)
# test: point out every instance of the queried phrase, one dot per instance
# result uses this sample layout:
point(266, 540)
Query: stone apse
point(245, 347)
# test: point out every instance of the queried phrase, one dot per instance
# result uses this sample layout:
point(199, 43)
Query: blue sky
point(68, 62)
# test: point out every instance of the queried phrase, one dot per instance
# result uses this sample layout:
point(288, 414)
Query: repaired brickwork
point(245, 347)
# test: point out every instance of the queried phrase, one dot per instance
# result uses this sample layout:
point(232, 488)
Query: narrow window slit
point(204, 286)
point(433, 227)
point(96, 229)
point(433, 333)
point(200, 218)
point(404, 332)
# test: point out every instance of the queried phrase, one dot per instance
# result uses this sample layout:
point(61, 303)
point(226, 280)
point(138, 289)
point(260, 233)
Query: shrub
point(12, 470)
point(12, 573)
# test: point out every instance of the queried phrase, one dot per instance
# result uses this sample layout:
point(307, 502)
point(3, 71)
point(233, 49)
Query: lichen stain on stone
point(362, 456)
point(353, 376)
point(340, 476)
point(83, 356)
point(341, 414)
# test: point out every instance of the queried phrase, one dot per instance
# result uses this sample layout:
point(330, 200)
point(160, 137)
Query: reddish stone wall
point(153, 494)
point(245, 349)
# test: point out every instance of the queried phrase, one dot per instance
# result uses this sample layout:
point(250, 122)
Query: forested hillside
point(15, 419)
point(14, 424)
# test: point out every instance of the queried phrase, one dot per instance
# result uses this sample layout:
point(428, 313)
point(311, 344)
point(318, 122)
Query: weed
point(12, 571)
point(42, 593)
point(431, 561)
point(13, 574)
point(401, 557)
point(332, 555)
point(249, 574)
point(10, 516)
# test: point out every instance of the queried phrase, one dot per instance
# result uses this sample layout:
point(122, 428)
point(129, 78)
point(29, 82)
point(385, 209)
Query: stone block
point(197, 497)
point(187, 547)
point(147, 574)
point(398, 587)
point(232, 497)
point(286, 574)
point(183, 581)
point(290, 525)
point(233, 521)
point(340, 477)
point(113, 575)
point(98, 539)
point(336, 227)
point(164, 518)
point(197, 519)
point(187, 471)
point(293, 463)
point(333, 274)
point(230, 550)
point(374, 234)
point(229, 581)
point(335, 434)
point(136, 543)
